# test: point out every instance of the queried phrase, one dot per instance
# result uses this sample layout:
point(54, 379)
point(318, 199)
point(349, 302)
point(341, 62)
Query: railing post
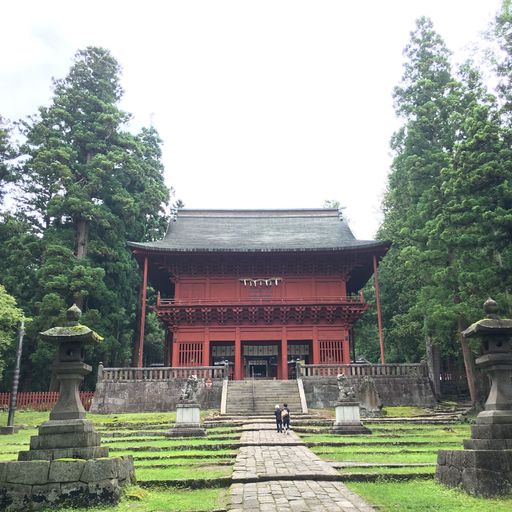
point(99, 378)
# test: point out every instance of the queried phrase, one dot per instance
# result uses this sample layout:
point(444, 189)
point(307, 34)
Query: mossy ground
point(158, 460)
point(169, 469)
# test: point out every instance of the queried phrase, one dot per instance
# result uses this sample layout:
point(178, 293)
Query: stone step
point(260, 397)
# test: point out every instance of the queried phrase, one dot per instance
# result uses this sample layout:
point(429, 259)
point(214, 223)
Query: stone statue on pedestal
point(346, 392)
point(188, 413)
point(189, 392)
point(348, 419)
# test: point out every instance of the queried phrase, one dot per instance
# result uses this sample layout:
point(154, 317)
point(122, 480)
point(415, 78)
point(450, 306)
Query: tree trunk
point(469, 363)
point(432, 352)
point(82, 238)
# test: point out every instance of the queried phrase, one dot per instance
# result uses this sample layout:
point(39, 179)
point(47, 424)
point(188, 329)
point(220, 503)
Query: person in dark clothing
point(285, 417)
point(279, 421)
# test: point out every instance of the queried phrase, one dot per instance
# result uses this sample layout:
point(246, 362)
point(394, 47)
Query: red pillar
point(175, 354)
point(139, 344)
point(206, 348)
point(346, 348)
point(379, 316)
point(168, 348)
point(316, 346)
point(284, 354)
point(238, 355)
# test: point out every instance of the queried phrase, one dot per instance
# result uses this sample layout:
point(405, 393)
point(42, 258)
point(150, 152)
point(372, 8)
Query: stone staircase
point(256, 397)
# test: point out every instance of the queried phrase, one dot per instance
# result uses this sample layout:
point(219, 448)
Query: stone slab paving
point(266, 436)
point(275, 462)
point(269, 425)
point(296, 496)
point(275, 472)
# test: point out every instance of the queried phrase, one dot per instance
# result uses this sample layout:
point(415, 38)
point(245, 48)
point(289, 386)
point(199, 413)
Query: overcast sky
point(261, 104)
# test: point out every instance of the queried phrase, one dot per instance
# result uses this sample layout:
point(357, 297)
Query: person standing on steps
point(285, 416)
point(279, 421)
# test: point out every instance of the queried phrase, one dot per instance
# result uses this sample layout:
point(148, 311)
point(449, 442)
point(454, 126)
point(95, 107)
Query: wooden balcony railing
point(372, 370)
point(159, 373)
point(251, 301)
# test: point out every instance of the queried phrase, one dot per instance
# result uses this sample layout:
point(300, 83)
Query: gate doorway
point(260, 359)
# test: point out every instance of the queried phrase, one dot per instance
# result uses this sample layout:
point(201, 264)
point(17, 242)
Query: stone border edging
point(204, 483)
point(225, 482)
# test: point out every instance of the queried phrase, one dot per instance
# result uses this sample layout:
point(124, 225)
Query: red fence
point(41, 400)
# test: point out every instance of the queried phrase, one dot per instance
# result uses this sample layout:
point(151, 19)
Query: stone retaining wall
point(149, 396)
point(33, 485)
point(160, 396)
point(414, 391)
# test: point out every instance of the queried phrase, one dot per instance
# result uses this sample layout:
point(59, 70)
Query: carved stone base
point(348, 421)
point(187, 431)
point(188, 422)
point(59, 439)
point(479, 472)
point(349, 429)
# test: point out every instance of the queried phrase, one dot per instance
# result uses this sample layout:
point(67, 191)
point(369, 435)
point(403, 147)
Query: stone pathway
point(269, 437)
point(276, 472)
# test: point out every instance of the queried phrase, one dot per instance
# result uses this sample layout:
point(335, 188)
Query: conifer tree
point(6, 154)
point(422, 147)
point(87, 186)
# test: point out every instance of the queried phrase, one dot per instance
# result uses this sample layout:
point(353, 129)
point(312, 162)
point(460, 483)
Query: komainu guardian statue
point(346, 392)
point(189, 392)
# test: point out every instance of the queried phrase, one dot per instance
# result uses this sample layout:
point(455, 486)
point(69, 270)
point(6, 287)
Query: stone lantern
point(484, 467)
point(65, 464)
point(68, 433)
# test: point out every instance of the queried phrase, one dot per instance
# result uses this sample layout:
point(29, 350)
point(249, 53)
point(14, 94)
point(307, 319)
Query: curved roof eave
point(361, 244)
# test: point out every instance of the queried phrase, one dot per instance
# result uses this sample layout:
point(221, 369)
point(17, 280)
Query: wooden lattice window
point(190, 354)
point(331, 352)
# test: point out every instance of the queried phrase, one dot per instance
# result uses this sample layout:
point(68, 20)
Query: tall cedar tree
point(6, 154)
point(422, 147)
point(468, 233)
point(88, 186)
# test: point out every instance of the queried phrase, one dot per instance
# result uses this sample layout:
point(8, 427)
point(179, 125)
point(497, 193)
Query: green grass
point(168, 499)
point(382, 470)
point(406, 443)
point(206, 472)
point(184, 462)
point(165, 460)
point(424, 496)
point(175, 453)
point(168, 442)
point(382, 439)
point(400, 456)
point(404, 411)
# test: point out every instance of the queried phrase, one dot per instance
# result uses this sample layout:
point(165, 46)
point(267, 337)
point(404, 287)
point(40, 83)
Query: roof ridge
point(247, 213)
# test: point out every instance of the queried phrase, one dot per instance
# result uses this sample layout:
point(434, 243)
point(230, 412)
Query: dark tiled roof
point(257, 231)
